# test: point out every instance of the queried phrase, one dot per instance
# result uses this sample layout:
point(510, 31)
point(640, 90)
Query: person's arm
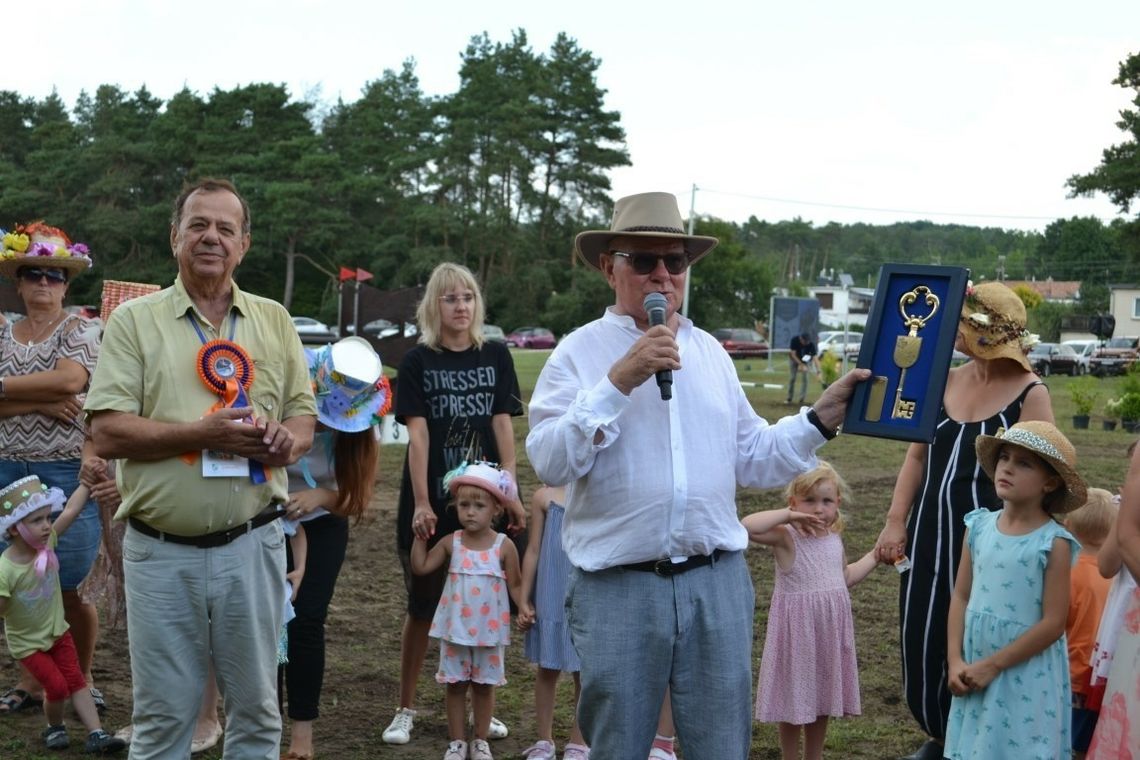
point(860, 568)
point(299, 546)
point(956, 622)
point(4, 601)
point(67, 409)
point(67, 378)
point(423, 517)
point(504, 432)
point(538, 504)
point(308, 500)
point(891, 543)
point(510, 560)
point(1108, 559)
point(424, 561)
point(121, 435)
point(1037, 405)
point(767, 527)
point(1128, 521)
point(71, 510)
point(1054, 614)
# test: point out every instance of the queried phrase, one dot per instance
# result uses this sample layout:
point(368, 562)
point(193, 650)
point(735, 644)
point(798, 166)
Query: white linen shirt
point(662, 480)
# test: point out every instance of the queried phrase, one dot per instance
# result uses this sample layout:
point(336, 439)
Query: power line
point(846, 207)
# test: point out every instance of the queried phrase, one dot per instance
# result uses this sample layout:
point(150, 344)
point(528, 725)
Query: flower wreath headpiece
point(35, 243)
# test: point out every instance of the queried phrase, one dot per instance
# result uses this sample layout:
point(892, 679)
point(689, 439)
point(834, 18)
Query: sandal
point(17, 700)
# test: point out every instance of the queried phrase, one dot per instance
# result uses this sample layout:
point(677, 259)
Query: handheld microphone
point(654, 305)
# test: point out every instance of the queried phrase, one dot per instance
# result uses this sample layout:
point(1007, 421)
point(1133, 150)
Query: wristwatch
point(814, 419)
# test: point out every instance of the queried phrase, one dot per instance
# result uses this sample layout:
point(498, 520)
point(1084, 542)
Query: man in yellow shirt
point(203, 392)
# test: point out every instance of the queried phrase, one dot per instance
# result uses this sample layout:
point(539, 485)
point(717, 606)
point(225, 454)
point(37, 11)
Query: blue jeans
point(637, 633)
point(78, 546)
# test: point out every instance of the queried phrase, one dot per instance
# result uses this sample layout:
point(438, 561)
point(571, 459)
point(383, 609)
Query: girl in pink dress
point(473, 619)
point(808, 671)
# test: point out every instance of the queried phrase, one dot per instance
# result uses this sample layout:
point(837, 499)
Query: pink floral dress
point(474, 609)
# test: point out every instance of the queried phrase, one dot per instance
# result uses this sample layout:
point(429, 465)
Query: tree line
point(499, 175)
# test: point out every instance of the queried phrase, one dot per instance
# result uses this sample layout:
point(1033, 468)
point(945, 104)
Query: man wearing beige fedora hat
point(660, 596)
point(202, 391)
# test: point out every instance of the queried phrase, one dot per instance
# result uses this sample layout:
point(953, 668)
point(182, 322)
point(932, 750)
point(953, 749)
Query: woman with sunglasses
point(456, 392)
point(46, 360)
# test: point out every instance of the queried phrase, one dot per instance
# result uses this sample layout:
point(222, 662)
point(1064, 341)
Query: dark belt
point(218, 538)
point(666, 567)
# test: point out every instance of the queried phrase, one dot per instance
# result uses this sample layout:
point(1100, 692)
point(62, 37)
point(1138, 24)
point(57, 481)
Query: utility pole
point(692, 221)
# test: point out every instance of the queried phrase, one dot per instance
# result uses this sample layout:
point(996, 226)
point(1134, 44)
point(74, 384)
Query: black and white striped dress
point(953, 485)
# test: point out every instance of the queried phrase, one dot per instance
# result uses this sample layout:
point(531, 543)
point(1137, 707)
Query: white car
point(833, 342)
point(1084, 349)
point(312, 330)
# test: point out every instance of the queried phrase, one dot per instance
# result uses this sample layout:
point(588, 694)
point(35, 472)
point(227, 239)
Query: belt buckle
point(663, 567)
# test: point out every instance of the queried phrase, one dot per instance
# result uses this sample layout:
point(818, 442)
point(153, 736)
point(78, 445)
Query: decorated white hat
point(485, 475)
point(37, 244)
point(349, 383)
point(24, 496)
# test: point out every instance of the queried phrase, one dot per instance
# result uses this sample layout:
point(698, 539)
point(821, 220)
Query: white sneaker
point(575, 752)
point(656, 753)
point(540, 750)
point(457, 750)
point(497, 729)
point(480, 750)
point(399, 731)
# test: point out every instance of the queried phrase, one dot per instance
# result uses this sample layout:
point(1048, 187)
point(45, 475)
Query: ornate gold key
point(907, 346)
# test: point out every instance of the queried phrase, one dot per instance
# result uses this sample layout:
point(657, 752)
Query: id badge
point(219, 464)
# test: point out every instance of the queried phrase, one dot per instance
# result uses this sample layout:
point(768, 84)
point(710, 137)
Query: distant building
point(1124, 306)
point(842, 304)
point(1054, 291)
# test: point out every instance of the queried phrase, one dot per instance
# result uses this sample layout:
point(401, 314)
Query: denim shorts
point(77, 547)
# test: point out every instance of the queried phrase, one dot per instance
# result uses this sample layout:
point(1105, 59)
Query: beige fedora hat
point(647, 215)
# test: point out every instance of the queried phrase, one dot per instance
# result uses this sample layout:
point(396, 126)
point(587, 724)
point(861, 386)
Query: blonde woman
point(456, 393)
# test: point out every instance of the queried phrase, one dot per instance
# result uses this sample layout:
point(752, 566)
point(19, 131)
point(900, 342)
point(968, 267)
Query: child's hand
point(806, 524)
point(955, 671)
point(294, 580)
point(978, 675)
point(526, 617)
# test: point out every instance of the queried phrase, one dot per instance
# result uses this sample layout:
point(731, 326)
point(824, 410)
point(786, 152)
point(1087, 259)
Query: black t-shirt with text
point(457, 393)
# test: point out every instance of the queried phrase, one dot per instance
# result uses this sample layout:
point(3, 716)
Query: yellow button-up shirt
point(148, 367)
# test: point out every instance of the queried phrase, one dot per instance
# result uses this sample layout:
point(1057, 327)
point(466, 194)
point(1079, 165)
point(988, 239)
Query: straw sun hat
point(647, 215)
point(993, 324)
point(1047, 442)
point(37, 244)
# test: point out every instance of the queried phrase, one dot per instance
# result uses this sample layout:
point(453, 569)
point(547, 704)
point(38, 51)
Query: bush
point(828, 368)
point(1084, 393)
point(1129, 406)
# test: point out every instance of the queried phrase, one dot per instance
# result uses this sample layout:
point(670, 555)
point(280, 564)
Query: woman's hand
point(423, 521)
point(516, 517)
point(891, 544)
point(294, 580)
point(66, 410)
point(302, 503)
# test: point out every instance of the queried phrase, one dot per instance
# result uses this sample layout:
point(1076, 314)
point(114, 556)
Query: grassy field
point(364, 623)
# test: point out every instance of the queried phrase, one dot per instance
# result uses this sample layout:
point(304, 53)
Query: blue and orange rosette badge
point(226, 369)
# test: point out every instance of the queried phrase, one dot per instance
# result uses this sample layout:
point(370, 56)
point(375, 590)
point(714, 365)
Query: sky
point(875, 112)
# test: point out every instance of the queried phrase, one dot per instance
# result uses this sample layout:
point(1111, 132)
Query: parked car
point(1084, 349)
point(834, 342)
point(494, 332)
point(1054, 359)
point(312, 330)
point(742, 342)
point(1115, 356)
point(531, 337)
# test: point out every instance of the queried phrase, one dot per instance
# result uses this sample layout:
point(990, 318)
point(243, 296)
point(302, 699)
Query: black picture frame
point(872, 408)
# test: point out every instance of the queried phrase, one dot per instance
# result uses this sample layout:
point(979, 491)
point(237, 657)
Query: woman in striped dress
point(941, 482)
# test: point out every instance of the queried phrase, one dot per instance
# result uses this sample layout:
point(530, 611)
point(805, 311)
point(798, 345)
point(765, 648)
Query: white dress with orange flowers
point(474, 609)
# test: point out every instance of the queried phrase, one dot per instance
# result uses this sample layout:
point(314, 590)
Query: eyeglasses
point(35, 274)
point(451, 299)
point(646, 263)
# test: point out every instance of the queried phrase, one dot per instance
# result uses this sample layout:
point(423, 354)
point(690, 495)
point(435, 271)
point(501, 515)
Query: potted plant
point(1111, 413)
point(1130, 411)
point(1084, 393)
point(828, 368)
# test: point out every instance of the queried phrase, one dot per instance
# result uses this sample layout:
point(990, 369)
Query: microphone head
point(655, 302)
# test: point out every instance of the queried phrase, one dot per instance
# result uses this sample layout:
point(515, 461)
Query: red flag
point(361, 275)
point(347, 274)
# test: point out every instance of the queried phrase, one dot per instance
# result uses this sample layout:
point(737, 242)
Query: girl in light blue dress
point(1008, 663)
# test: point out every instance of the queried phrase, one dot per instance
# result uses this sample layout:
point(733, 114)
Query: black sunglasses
point(646, 263)
point(35, 274)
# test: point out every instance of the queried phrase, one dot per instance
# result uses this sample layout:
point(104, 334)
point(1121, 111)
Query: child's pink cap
point(485, 475)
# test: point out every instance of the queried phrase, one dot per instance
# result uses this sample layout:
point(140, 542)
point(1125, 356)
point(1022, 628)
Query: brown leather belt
point(666, 567)
point(218, 538)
